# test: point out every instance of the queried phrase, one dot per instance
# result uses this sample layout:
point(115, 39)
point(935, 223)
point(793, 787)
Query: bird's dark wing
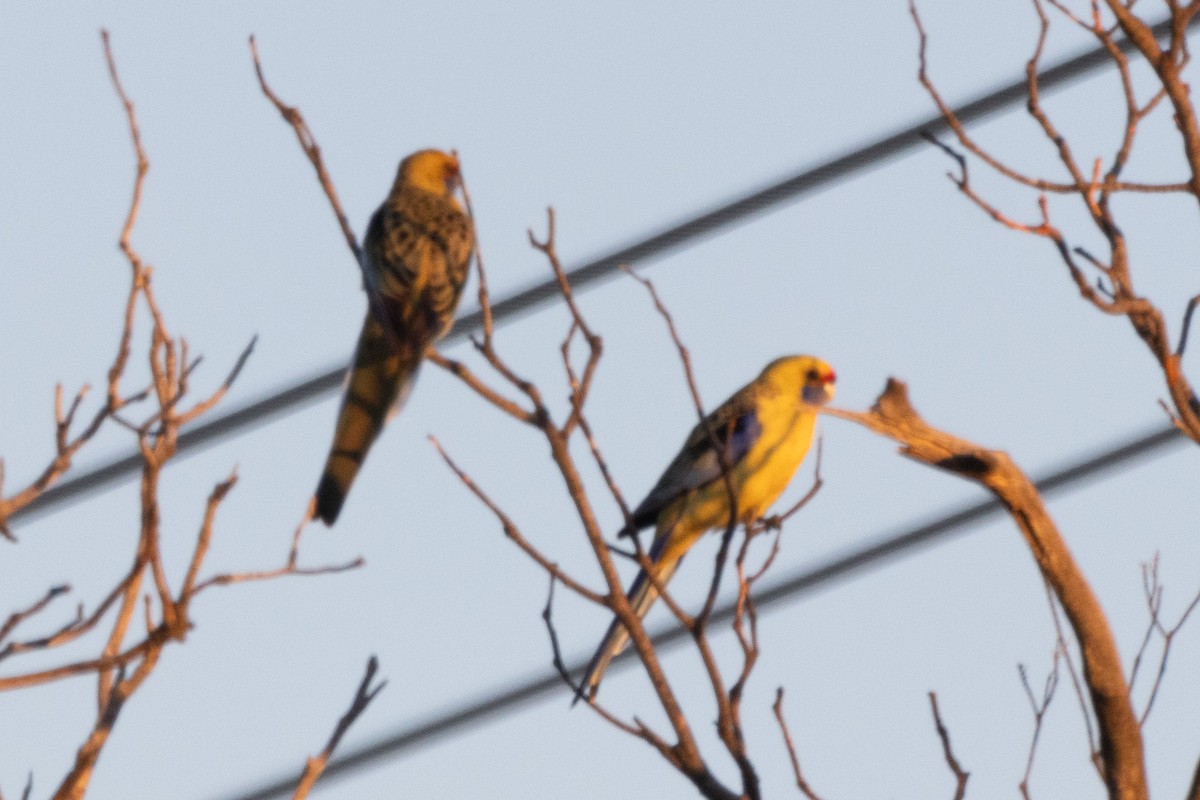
point(736, 428)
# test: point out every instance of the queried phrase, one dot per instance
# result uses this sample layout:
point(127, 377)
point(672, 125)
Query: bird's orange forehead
point(429, 161)
point(433, 170)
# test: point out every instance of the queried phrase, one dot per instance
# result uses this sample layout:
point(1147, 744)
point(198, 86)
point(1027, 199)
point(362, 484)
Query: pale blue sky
point(623, 117)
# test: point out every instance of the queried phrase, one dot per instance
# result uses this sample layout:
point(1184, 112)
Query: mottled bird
point(415, 258)
point(765, 430)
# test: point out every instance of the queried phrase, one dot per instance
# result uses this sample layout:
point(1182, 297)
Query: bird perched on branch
point(764, 430)
point(415, 258)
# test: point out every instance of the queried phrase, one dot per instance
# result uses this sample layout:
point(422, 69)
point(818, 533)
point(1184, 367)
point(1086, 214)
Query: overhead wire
point(669, 239)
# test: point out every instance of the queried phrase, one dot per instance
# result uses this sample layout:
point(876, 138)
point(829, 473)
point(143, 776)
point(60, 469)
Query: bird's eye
point(812, 375)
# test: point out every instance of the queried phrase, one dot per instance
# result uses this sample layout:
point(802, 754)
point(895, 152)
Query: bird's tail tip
point(329, 499)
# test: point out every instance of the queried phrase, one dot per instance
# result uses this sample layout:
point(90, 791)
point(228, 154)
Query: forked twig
point(1152, 589)
point(1112, 291)
point(1038, 706)
point(362, 698)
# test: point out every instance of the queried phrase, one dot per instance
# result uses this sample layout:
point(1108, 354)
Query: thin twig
point(1187, 324)
point(485, 305)
point(719, 448)
point(205, 536)
point(801, 783)
point(17, 617)
point(514, 533)
point(1002, 168)
point(1077, 684)
point(362, 698)
point(308, 143)
point(205, 405)
point(461, 371)
point(960, 775)
point(1194, 790)
point(1153, 591)
point(1119, 296)
point(579, 386)
point(1039, 708)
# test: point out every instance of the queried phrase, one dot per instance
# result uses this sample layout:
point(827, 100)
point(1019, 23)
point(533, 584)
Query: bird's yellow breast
point(771, 463)
point(762, 475)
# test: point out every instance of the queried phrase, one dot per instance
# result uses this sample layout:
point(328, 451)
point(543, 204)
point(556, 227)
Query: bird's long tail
point(641, 596)
point(383, 373)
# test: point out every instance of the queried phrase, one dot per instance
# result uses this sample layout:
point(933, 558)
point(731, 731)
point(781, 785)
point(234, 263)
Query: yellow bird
point(416, 255)
point(765, 430)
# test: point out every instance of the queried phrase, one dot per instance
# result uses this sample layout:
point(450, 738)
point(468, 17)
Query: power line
point(884, 548)
point(674, 237)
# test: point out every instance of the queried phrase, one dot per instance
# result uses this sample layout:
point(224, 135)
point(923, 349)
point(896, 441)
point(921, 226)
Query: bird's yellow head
point(432, 170)
point(807, 376)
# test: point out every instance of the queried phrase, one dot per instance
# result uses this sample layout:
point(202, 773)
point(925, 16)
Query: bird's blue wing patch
point(699, 465)
point(746, 430)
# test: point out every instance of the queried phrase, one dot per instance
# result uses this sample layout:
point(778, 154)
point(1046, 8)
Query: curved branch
point(1121, 750)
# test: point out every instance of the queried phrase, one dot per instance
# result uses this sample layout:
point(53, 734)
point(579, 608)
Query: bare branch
point(308, 143)
point(722, 456)
point(205, 405)
point(122, 667)
point(143, 164)
point(579, 386)
point(801, 783)
point(70, 631)
point(609, 480)
point(560, 666)
point(1120, 735)
point(1000, 167)
point(205, 537)
point(17, 617)
point(1119, 297)
point(362, 698)
point(1194, 790)
point(684, 754)
point(514, 533)
point(485, 305)
point(1039, 706)
point(1153, 592)
point(106, 662)
point(1187, 324)
point(960, 775)
point(464, 374)
point(65, 447)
